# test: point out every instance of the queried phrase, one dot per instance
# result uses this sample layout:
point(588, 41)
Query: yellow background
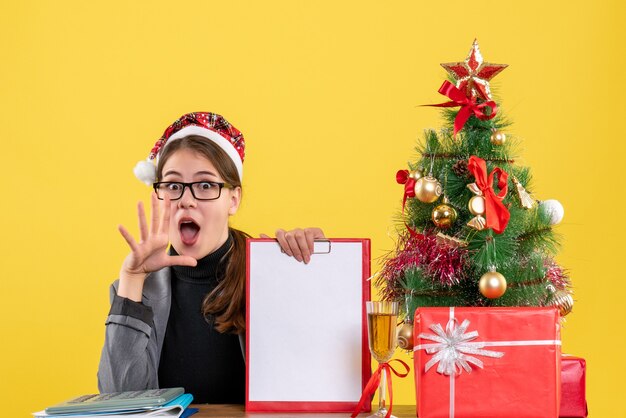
point(326, 94)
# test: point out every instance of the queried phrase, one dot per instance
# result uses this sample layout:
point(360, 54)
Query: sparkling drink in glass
point(382, 318)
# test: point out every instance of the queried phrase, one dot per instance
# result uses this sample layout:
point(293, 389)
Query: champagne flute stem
point(381, 390)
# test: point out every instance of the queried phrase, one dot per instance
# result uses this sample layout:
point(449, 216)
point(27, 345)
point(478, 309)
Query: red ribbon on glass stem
point(468, 105)
point(497, 215)
point(373, 383)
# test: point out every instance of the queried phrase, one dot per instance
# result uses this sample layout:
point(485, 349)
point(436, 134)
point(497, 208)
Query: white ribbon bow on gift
point(452, 348)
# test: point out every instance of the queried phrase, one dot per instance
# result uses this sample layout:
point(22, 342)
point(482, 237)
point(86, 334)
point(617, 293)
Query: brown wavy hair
point(225, 306)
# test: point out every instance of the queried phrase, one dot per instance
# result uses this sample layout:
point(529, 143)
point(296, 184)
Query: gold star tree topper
point(472, 75)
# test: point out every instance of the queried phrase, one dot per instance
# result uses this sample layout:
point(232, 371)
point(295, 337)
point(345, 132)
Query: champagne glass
point(381, 330)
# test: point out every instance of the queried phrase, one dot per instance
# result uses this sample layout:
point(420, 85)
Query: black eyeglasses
point(200, 190)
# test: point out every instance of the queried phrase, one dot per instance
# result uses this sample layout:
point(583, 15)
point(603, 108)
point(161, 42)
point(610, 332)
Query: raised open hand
point(149, 254)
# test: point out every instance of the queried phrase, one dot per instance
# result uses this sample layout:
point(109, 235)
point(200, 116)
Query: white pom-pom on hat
point(554, 209)
point(145, 171)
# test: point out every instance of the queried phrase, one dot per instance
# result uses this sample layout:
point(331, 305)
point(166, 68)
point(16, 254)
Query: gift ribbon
point(496, 213)
point(374, 381)
point(452, 346)
point(402, 177)
point(454, 342)
point(468, 105)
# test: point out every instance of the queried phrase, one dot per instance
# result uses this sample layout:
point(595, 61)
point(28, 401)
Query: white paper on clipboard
point(307, 331)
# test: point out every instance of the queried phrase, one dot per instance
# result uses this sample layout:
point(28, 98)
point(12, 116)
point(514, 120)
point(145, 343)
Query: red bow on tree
point(402, 177)
point(496, 214)
point(468, 105)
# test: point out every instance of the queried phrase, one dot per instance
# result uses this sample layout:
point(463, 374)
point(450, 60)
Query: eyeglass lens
point(201, 190)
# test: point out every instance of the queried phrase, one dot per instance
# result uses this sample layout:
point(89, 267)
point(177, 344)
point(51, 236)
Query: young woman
point(177, 316)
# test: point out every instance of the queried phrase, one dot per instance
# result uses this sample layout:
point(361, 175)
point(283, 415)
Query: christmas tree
point(471, 232)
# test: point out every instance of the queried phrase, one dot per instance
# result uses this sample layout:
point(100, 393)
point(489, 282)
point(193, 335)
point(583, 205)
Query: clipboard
point(306, 332)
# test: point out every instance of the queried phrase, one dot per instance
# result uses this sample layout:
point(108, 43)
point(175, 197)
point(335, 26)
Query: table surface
point(237, 411)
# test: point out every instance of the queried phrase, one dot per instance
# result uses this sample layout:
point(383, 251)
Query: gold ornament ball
point(444, 216)
point(415, 174)
point(405, 336)
point(427, 189)
point(563, 300)
point(476, 205)
point(492, 285)
point(498, 138)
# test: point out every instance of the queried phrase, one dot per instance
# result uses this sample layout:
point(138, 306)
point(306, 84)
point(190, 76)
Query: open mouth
point(189, 231)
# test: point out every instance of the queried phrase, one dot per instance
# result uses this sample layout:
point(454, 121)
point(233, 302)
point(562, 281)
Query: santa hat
point(208, 125)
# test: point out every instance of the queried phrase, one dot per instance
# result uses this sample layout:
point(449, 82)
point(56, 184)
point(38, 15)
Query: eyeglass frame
point(221, 185)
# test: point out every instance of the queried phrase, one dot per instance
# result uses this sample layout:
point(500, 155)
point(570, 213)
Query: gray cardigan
point(132, 346)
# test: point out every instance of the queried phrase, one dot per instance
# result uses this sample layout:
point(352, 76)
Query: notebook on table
point(117, 401)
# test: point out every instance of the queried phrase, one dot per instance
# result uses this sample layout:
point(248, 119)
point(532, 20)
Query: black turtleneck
point(208, 364)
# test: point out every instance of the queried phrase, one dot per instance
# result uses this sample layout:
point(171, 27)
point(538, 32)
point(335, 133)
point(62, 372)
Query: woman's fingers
point(154, 227)
point(143, 228)
point(181, 260)
point(298, 243)
point(148, 254)
point(293, 247)
point(305, 248)
point(128, 237)
point(317, 233)
point(153, 238)
point(165, 221)
point(311, 235)
point(280, 236)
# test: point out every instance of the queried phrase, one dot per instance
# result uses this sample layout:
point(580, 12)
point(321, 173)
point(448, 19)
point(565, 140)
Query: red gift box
point(573, 400)
point(487, 362)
